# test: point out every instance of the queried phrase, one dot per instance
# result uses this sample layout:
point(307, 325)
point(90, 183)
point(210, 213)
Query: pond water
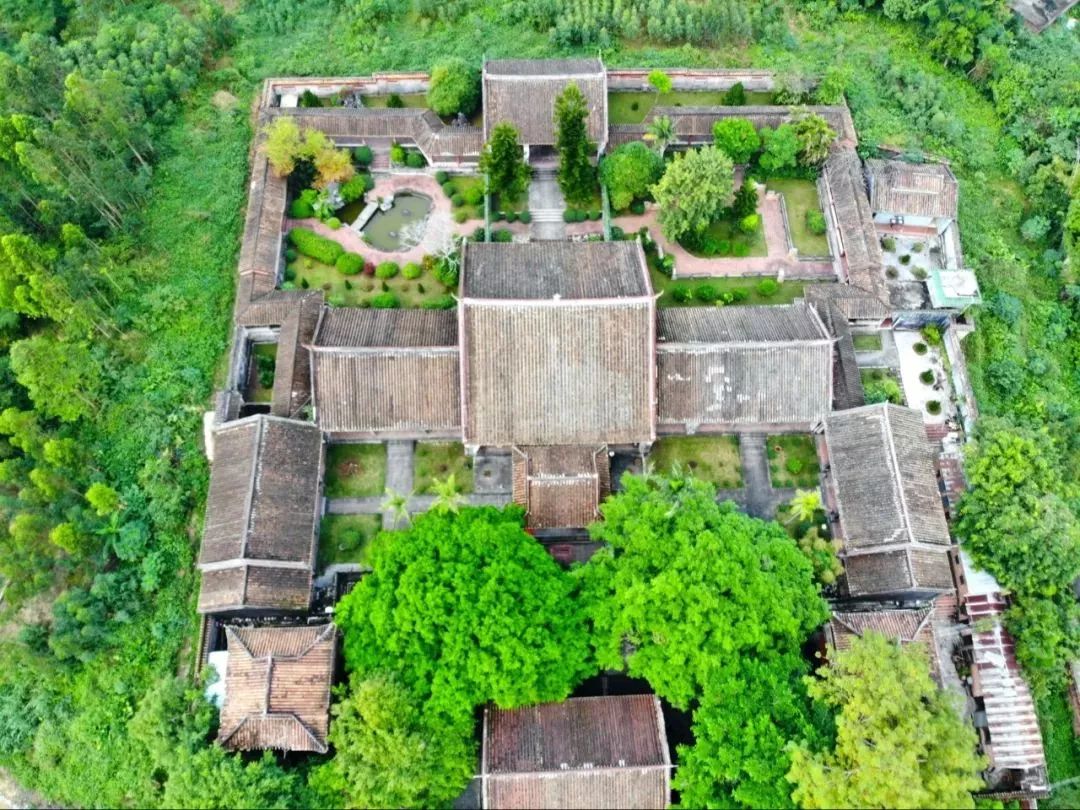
point(390, 231)
point(350, 212)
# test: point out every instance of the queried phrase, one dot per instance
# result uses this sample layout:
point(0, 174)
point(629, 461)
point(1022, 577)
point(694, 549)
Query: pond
point(395, 229)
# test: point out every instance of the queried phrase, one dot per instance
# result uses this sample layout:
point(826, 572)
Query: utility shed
point(732, 368)
point(523, 92)
point(277, 688)
point(891, 517)
point(387, 373)
point(556, 344)
point(594, 752)
point(561, 487)
point(262, 510)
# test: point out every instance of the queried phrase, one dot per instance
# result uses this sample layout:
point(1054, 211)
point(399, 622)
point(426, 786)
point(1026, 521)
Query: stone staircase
point(546, 205)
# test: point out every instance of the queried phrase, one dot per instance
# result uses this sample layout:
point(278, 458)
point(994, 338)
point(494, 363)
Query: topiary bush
point(706, 293)
point(457, 201)
point(461, 215)
point(349, 264)
point(387, 270)
point(412, 271)
point(385, 300)
point(316, 246)
point(333, 223)
point(927, 377)
point(441, 177)
point(933, 407)
point(301, 209)
point(363, 155)
point(815, 222)
point(415, 160)
point(440, 302)
point(768, 287)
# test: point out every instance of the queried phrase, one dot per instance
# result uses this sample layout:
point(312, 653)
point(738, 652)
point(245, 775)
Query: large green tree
point(900, 739)
point(737, 138)
point(815, 137)
point(577, 177)
point(780, 149)
point(454, 88)
point(629, 171)
point(687, 584)
point(503, 160)
point(467, 608)
point(695, 189)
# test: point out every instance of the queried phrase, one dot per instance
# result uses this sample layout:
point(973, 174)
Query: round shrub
point(888, 243)
point(569, 215)
point(440, 302)
point(919, 273)
point(749, 223)
point(308, 264)
point(415, 160)
point(394, 102)
point(524, 216)
point(502, 235)
point(637, 207)
point(397, 154)
point(920, 348)
point(386, 270)
point(301, 209)
point(349, 264)
point(461, 215)
point(595, 214)
point(457, 201)
point(354, 187)
point(927, 377)
point(385, 300)
point(304, 284)
point(815, 222)
point(706, 293)
point(768, 287)
point(794, 465)
point(290, 254)
point(933, 407)
point(682, 295)
point(333, 223)
point(634, 106)
point(316, 246)
point(474, 195)
point(723, 247)
point(617, 233)
point(336, 300)
point(448, 189)
point(288, 285)
point(918, 247)
point(905, 259)
point(348, 284)
point(441, 177)
point(497, 216)
point(363, 155)
point(511, 216)
point(891, 272)
point(290, 274)
point(667, 266)
point(412, 270)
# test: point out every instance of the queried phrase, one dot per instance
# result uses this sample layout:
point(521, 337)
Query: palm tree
point(397, 505)
point(448, 497)
point(660, 132)
point(805, 505)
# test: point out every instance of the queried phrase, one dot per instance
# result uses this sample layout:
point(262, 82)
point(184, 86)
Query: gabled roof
point(912, 189)
point(581, 753)
point(277, 688)
point(853, 303)
point(549, 270)
point(386, 328)
point(848, 205)
point(561, 487)
point(258, 542)
point(847, 379)
point(292, 365)
point(1040, 14)
point(739, 366)
point(902, 626)
point(523, 92)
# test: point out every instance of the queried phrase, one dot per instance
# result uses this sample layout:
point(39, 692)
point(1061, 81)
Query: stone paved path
point(399, 472)
point(546, 205)
point(760, 498)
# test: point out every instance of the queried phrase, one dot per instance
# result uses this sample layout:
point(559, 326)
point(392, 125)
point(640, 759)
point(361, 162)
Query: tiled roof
point(777, 324)
point(912, 189)
point(543, 67)
point(581, 753)
point(258, 540)
point(844, 195)
point(277, 688)
point(383, 328)
point(853, 303)
point(902, 626)
point(523, 92)
point(561, 487)
point(292, 366)
point(546, 270)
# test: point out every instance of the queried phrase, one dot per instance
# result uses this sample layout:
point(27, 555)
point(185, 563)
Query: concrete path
point(399, 473)
point(546, 205)
point(759, 498)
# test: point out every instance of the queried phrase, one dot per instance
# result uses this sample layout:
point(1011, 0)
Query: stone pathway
point(546, 205)
point(761, 499)
point(399, 473)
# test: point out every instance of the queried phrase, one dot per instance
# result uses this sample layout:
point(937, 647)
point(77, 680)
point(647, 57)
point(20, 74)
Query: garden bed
point(793, 461)
point(631, 107)
point(800, 197)
point(355, 470)
point(867, 343)
point(261, 374)
point(742, 290)
point(466, 185)
point(360, 290)
point(881, 385)
point(739, 244)
point(346, 539)
point(710, 458)
point(436, 461)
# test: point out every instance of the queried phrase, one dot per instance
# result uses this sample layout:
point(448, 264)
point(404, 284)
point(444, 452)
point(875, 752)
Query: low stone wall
point(688, 79)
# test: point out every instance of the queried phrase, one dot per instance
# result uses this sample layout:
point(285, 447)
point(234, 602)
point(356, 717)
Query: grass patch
point(788, 292)
point(621, 104)
point(711, 458)
point(263, 355)
point(435, 461)
point(800, 196)
point(729, 231)
point(413, 100)
point(355, 470)
point(460, 184)
point(793, 461)
point(358, 290)
point(346, 538)
point(867, 343)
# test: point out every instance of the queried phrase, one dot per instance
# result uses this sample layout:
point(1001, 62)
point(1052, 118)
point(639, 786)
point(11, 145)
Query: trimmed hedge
point(441, 302)
point(301, 209)
point(333, 223)
point(441, 177)
point(386, 300)
point(412, 271)
point(387, 270)
point(363, 155)
point(525, 217)
point(349, 264)
point(317, 247)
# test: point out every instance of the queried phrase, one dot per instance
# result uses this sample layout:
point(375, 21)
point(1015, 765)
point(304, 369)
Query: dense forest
point(124, 138)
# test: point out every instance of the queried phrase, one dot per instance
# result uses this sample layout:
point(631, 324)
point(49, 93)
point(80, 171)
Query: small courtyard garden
point(793, 461)
point(805, 218)
point(355, 470)
point(867, 343)
point(881, 385)
point(722, 290)
point(261, 372)
point(710, 458)
point(630, 107)
point(437, 461)
point(346, 539)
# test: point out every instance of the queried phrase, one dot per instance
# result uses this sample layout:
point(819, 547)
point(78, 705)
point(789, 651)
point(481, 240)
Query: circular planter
point(933, 407)
point(927, 377)
point(921, 348)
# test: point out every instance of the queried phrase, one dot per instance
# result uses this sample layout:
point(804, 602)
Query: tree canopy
point(696, 187)
point(454, 88)
point(814, 135)
point(737, 138)
point(576, 174)
point(900, 740)
point(504, 163)
point(780, 149)
point(629, 171)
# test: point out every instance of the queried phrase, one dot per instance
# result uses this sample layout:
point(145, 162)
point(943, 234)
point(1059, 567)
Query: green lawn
point(867, 343)
point(263, 355)
point(435, 461)
point(793, 452)
point(788, 292)
point(881, 384)
point(346, 538)
point(353, 291)
point(355, 470)
point(414, 100)
point(622, 109)
point(800, 197)
point(711, 458)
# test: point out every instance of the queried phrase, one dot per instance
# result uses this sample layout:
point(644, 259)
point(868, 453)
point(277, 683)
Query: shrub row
point(579, 215)
point(512, 216)
point(317, 247)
